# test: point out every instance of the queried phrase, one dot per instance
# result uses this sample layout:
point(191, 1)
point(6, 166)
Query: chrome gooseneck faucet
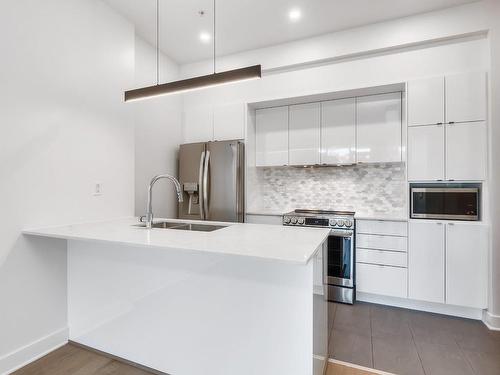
point(148, 219)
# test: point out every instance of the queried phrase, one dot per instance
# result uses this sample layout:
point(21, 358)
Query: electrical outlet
point(98, 188)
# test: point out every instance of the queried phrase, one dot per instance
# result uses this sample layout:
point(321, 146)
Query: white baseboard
point(438, 308)
point(491, 321)
point(32, 351)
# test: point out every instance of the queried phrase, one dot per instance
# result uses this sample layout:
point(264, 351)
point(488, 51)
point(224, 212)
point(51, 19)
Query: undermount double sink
point(183, 226)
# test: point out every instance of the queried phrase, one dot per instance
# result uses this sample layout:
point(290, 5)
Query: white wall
point(64, 66)
point(494, 13)
point(158, 132)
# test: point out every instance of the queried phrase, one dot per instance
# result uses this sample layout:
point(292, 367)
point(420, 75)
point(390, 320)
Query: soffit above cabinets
point(384, 89)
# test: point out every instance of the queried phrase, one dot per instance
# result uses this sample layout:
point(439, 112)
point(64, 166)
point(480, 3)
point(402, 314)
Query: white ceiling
point(249, 24)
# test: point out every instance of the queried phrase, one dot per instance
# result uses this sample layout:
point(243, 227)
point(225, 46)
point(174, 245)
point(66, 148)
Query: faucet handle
point(142, 219)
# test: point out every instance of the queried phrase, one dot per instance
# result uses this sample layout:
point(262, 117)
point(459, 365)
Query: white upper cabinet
point(304, 134)
point(229, 122)
point(426, 101)
point(338, 131)
point(271, 136)
point(466, 151)
point(425, 153)
point(198, 125)
point(426, 260)
point(457, 150)
point(379, 128)
point(466, 97)
point(467, 265)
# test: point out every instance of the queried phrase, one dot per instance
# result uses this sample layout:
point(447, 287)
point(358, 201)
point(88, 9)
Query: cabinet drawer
point(379, 242)
point(384, 280)
point(390, 228)
point(387, 258)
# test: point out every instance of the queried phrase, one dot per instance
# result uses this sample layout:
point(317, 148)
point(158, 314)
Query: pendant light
point(190, 84)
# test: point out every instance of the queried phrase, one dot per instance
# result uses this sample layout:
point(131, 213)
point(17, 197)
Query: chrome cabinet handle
point(200, 184)
point(205, 184)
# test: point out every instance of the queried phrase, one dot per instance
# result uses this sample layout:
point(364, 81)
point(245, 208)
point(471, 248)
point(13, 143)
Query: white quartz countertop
point(273, 242)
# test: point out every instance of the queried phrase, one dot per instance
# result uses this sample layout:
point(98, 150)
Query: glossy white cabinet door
point(467, 265)
point(229, 122)
point(466, 97)
point(198, 125)
point(426, 257)
point(383, 280)
point(304, 134)
point(379, 128)
point(466, 151)
point(338, 131)
point(271, 136)
point(426, 152)
point(426, 101)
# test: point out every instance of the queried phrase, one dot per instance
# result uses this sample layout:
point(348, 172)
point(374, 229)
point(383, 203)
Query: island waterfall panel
point(183, 312)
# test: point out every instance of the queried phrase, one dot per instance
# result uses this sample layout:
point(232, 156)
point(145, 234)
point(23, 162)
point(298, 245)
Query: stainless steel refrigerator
point(212, 179)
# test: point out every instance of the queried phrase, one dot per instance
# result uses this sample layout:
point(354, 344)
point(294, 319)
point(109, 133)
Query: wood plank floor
point(73, 360)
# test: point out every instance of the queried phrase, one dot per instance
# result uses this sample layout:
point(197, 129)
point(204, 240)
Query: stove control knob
point(340, 222)
point(286, 220)
point(333, 222)
point(348, 223)
point(300, 220)
point(294, 220)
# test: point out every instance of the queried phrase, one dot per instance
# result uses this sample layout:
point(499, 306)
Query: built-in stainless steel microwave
point(445, 201)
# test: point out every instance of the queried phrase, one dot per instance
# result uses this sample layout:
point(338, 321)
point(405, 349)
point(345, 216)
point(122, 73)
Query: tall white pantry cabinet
point(447, 142)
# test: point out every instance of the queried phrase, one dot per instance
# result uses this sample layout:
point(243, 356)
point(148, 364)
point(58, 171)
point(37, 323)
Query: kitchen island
point(242, 299)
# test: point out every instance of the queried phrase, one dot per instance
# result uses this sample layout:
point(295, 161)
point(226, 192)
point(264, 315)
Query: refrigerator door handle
point(200, 184)
point(237, 178)
point(205, 184)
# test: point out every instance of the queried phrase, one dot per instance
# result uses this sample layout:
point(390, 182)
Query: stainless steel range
point(340, 273)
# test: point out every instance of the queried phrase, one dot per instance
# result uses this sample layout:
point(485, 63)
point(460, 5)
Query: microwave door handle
point(200, 186)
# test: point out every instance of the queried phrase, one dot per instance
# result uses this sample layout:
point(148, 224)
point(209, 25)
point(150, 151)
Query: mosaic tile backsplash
point(368, 189)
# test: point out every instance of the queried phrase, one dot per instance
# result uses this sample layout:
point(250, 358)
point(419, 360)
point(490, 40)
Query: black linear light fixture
point(190, 84)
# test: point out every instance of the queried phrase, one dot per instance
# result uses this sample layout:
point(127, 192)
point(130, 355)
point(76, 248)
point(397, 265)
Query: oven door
point(340, 259)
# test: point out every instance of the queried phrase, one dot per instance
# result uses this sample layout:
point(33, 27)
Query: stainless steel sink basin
point(184, 226)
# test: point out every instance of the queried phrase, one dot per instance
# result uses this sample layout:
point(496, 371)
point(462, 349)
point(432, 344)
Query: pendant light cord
point(157, 42)
point(214, 38)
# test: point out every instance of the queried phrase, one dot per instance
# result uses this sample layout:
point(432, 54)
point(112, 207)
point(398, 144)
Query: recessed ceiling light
point(205, 37)
point(295, 14)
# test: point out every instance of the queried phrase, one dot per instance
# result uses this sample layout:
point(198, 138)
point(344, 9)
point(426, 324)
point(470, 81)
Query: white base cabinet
point(448, 263)
point(381, 258)
point(426, 261)
point(381, 279)
point(467, 265)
